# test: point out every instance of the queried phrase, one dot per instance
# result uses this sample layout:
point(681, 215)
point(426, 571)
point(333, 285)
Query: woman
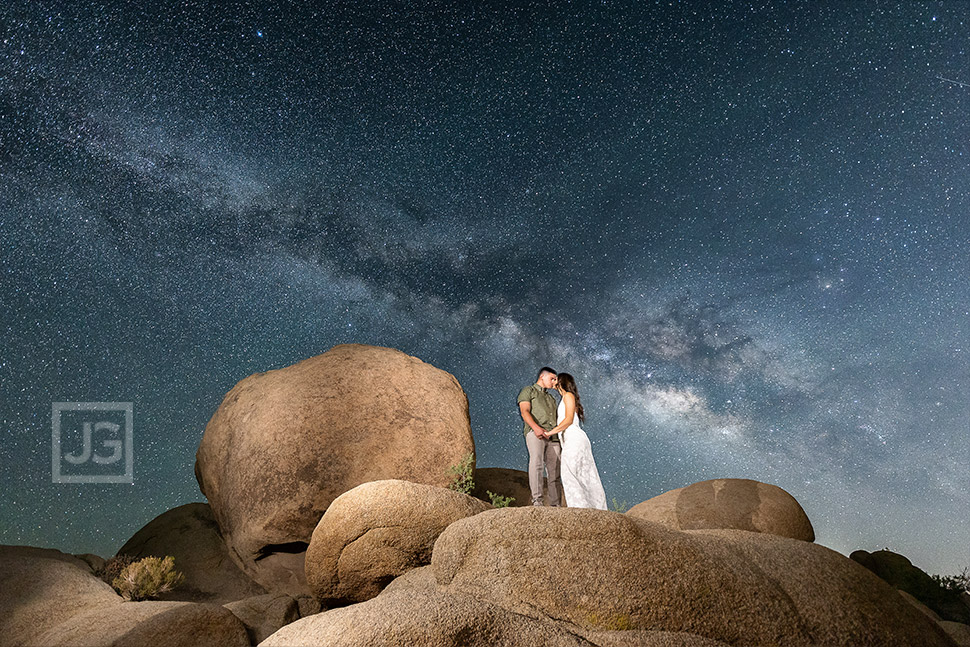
point(580, 480)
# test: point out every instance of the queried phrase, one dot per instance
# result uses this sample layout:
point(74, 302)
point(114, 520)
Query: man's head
point(546, 378)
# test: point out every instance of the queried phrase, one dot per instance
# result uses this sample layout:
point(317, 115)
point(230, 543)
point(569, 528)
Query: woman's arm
point(569, 401)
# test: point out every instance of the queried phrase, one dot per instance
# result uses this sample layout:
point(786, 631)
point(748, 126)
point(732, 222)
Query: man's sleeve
point(525, 395)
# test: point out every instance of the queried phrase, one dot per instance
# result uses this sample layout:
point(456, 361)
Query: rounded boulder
point(729, 504)
point(285, 443)
point(377, 532)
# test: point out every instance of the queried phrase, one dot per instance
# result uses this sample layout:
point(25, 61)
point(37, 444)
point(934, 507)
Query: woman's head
point(567, 384)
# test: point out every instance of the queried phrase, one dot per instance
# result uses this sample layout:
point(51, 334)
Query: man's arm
point(525, 409)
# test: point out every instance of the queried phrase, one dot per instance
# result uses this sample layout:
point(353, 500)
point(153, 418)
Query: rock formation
point(601, 570)
point(285, 443)
point(592, 577)
point(736, 504)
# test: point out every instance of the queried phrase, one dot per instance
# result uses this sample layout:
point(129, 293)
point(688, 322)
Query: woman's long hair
point(568, 384)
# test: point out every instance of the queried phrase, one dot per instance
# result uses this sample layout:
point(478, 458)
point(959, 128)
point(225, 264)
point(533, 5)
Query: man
point(538, 410)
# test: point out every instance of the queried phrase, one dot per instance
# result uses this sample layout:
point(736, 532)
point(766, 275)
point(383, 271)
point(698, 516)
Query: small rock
point(96, 562)
point(53, 599)
point(149, 624)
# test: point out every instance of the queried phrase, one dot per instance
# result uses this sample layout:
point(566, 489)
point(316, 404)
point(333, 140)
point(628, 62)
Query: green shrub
point(464, 475)
point(618, 506)
point(148, 578)
point(498, 500)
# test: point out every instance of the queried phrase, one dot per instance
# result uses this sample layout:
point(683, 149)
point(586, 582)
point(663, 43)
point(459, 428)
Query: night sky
point(742, 227)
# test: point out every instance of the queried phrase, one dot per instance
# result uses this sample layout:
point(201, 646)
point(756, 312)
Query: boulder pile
point(592, 577)
point(285, 443)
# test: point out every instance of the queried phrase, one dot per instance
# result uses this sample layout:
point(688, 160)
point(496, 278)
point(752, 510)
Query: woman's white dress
point(580, 479)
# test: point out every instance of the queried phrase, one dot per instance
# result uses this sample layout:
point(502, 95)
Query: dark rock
point(898, 571)
point(506, 482)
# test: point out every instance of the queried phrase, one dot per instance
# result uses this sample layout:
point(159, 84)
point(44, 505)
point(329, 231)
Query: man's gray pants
point(543, 454)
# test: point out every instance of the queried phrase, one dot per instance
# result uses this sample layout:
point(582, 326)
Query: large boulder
point(436, 618)
point(898, 571)
point(49, 598)
point(600, 571)
point(189, 533)
point(285, 443)
point(731, 504)
point(376, 532)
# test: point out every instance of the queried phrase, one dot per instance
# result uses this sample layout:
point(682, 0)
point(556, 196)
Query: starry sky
point(743, 228)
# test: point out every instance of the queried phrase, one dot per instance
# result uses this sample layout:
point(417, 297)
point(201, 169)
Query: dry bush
point(113, 566)
point(148, 578)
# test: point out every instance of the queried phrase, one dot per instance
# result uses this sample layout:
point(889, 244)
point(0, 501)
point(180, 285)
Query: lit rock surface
point(285, 443)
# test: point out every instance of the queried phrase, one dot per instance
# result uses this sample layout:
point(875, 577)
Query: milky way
point(742, 228)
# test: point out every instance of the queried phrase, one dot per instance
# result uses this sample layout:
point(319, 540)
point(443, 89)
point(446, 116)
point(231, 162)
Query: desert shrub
point(618, 506)
point(498, 500)
point(464, 475)
point(148, 578)
point(113, 566)
point(957, 583)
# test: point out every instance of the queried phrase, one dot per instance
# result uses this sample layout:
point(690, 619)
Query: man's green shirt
point(543, 406)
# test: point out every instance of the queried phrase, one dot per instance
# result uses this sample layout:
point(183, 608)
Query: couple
point(558, 444)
